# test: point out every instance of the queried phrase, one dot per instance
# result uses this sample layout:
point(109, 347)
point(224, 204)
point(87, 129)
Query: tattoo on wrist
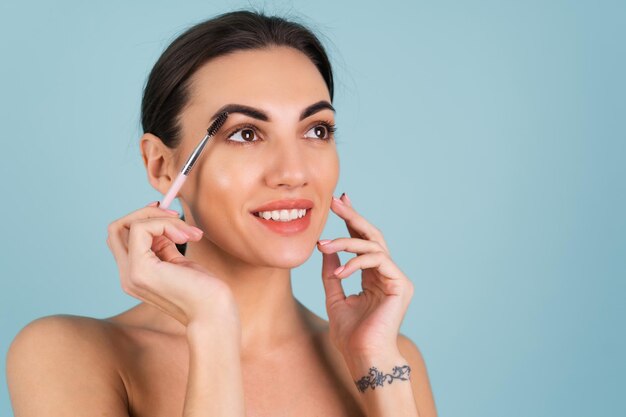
point(375, 378)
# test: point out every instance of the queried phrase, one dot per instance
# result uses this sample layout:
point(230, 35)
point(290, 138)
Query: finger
point(118, 230)
point(149, 211)
point(143, 232)
point(117, 249)
point(332, 286)
point(166, 250)
point(351, 231)
point(358, 246)
point(344, 197)
point(123, 224)
point(378, 260)
point(357, 224)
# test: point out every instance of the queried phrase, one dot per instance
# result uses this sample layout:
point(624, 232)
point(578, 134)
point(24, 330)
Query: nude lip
point(290, 227)
point(301, 203)
point(287, 228)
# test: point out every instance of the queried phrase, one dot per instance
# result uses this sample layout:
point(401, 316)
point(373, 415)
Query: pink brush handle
point(171, 193)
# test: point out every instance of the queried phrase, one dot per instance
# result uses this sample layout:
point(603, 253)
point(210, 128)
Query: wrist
point(376, 365)
point(362, 354)
point(226, 332)
point(383, 382)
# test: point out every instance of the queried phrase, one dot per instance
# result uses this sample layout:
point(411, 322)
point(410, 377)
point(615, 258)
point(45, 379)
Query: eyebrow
point(261, 115)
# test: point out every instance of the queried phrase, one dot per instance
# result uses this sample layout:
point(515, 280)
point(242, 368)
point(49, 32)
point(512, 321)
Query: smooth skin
point(219, 330)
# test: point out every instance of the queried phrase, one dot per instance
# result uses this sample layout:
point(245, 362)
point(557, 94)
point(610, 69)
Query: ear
point(158, 160)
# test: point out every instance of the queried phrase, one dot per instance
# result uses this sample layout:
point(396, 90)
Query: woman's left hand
point(366, 324)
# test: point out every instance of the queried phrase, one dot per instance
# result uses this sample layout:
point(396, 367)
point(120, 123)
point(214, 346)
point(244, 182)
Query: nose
point(287, 165)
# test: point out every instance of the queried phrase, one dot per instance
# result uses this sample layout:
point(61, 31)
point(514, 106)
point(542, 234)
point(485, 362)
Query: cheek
point(223, 181)
point(325, 177)
point(327, 170)
point(221, 193)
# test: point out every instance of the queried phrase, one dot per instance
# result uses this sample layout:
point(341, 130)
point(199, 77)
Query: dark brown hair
point(166, 91)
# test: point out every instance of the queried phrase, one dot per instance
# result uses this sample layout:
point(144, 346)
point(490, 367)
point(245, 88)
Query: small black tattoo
point(377, 378)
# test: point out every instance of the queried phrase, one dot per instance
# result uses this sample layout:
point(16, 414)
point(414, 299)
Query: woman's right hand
point(153, 270)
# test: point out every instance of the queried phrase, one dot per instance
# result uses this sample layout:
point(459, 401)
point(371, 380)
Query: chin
point(288, 259)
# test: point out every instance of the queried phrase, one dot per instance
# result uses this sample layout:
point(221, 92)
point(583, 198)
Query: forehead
point(272, 77)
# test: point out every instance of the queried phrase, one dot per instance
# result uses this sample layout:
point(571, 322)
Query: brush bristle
point(212, 130)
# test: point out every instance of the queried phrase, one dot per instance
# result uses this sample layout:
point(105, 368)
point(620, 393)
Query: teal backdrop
point(485, 139)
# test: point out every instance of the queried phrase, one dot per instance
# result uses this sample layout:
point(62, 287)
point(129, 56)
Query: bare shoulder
point(422, 390)
point(86, 332)
point(66, 334)
point(69, 364)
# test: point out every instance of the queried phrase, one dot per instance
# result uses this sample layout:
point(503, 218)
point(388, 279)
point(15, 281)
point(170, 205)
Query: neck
point(268, 311)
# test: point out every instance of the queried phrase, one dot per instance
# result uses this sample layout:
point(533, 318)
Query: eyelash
point(330, 127)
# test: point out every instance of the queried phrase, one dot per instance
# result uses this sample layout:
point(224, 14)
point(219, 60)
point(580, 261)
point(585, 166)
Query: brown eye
point(320, 131)
point(246, 134)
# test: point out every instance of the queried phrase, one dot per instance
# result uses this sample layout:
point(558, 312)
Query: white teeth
point(282, 215)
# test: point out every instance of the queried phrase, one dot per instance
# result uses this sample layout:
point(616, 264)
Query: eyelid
point(318, 122)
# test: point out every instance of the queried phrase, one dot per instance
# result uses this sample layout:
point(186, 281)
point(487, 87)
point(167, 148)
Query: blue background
point(486, 140)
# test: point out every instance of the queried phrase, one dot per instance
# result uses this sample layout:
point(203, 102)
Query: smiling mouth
point(283, 215)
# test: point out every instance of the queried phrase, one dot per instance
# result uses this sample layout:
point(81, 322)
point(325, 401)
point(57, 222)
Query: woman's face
point(251, 162)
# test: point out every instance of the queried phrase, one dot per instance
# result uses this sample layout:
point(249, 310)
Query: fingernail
point(338, 270)
point(153, 204)
point(347, 198)
point(338, 200)
point(323, 242)
point(172, 211)
point(196, 230)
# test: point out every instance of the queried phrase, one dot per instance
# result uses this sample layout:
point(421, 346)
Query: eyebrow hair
point(261, 115)
point(314, 108)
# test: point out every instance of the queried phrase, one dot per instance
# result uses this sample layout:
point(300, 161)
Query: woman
point(218, 331)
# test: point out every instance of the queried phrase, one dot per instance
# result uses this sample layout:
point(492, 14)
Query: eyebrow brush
point(184, 172)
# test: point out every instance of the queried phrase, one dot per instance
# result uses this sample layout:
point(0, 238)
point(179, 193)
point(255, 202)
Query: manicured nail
point(196, 230)
point(172, 211)
point(347, 198)
point(323, 242)
point(338, 200)
point(338, 270)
